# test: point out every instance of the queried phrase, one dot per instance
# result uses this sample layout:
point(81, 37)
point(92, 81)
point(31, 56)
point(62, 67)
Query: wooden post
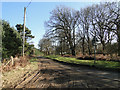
point(24, 30)
point(12, 60)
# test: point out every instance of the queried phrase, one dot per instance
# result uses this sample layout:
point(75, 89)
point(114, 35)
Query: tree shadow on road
point(77, 80)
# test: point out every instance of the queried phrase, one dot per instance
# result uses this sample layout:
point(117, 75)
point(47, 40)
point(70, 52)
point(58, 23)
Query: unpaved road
point(52, 74)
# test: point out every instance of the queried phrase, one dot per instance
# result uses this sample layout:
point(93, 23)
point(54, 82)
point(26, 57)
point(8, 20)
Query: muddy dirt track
point(53, 74)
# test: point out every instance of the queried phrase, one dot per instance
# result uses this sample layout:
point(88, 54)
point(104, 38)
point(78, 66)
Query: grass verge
point(99, 64)
point(13, 77)
point(38, 53)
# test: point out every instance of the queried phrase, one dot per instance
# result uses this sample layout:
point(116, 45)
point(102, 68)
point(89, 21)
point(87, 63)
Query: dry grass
point(98, 57)
point(15, 76)
point(21, 61)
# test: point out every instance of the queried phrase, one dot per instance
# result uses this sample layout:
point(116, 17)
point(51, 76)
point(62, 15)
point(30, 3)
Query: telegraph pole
point(24, 30)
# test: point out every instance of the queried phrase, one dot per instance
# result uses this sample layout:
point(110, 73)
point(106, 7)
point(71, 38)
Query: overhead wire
point(29, 4)
point(27, 13)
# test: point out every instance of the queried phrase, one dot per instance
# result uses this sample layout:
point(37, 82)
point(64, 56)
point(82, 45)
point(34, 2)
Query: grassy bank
point(99, 64)
point(15, 76)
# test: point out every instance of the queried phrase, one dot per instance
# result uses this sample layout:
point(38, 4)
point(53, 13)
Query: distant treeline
point(70, 31)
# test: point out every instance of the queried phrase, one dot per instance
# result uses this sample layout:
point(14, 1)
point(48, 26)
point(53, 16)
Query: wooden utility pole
point(24, 30)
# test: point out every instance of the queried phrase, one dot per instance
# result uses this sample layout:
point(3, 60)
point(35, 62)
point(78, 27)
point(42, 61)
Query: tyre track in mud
point(51, 74)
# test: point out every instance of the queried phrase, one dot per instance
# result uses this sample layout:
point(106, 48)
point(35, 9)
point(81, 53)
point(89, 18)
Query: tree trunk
point(89, 50)
point(61, 50)
point(118, 45)
point(103, 48)
point(83, 48)
point(89, 45)
point(61, 43)
point(73, 51)
point(118, 34)
point(72, 47)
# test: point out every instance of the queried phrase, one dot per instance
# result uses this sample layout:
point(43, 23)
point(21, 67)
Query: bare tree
point(113, 23)
point(45, 46)
point(99, 17)
point(64, 20)
point(84, 23)
point(100, 21)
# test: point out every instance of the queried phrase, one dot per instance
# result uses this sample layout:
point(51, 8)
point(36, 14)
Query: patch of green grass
point(33, 59)
point(38, 53)
point(99, 64)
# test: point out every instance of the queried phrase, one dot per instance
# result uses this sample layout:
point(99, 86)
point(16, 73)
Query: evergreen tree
point(11, 41)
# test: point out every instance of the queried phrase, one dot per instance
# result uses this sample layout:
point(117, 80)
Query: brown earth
point(51, 74)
